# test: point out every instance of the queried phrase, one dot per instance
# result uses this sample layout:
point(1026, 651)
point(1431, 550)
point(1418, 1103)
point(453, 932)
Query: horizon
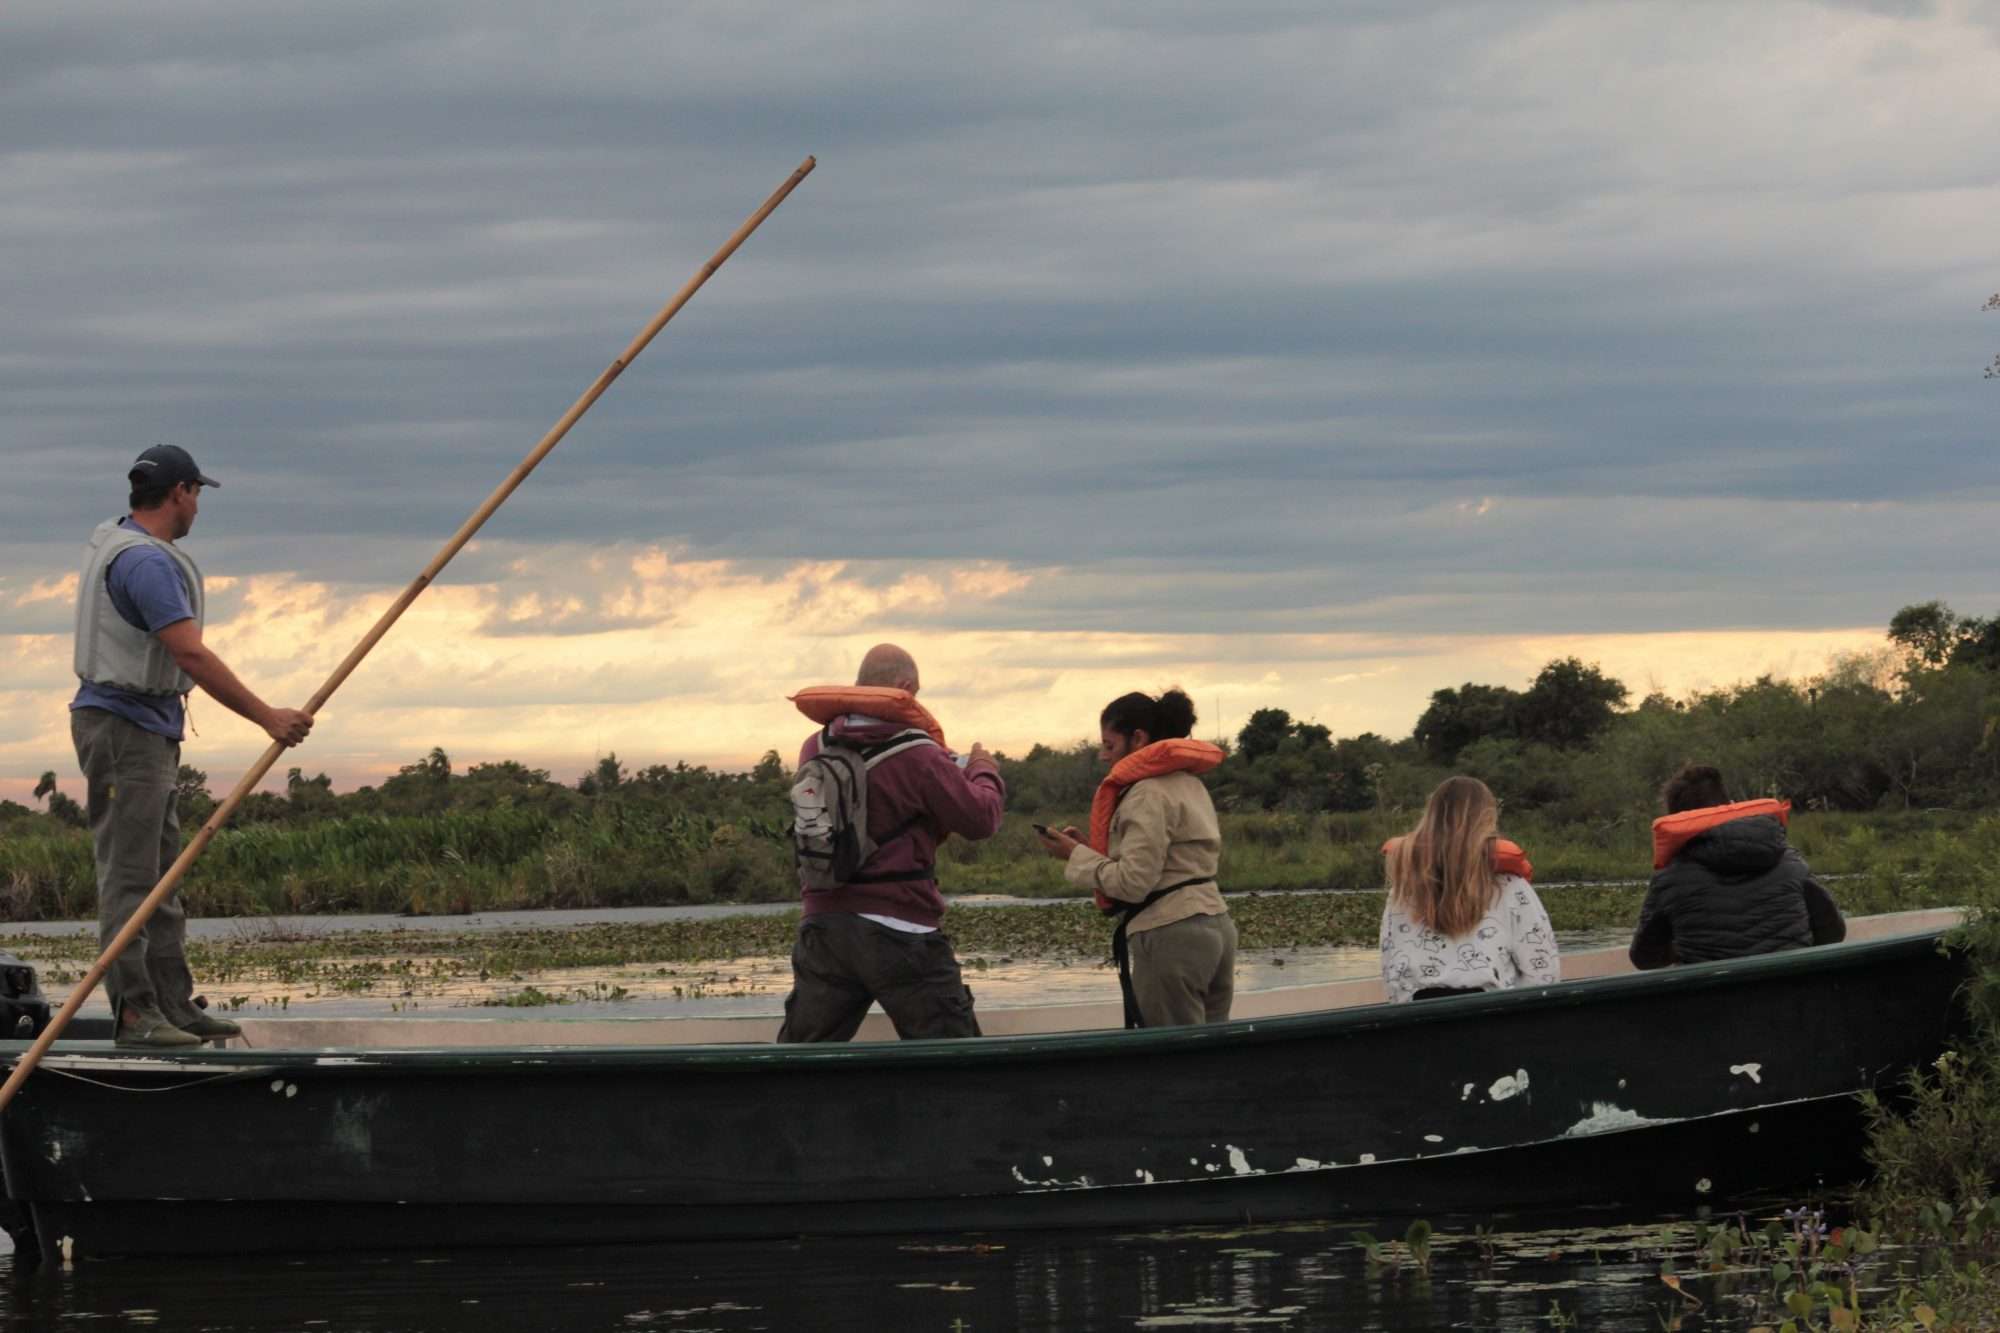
point(567, 766)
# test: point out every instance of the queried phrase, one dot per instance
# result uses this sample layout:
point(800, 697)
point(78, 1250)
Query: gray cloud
point(1224, 313)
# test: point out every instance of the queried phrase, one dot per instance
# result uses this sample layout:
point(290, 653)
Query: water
point(733, 987)
point(1302, 1277)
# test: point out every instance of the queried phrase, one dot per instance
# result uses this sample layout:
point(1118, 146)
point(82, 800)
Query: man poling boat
point(143, 912)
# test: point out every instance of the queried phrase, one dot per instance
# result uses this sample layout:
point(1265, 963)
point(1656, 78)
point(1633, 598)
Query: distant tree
point(1457, 718)
point(1927, 631)
point(309, 796)
point(191, 796)
point(1568, 704)
point(1932, 635)
point(420, 788)
point(604, 779)
point(771, 768)
point(1280, 764)
point(262, 807)
point(1978, 644)
point(1263, 733)
point(59, 806)
point(1359, 763)
point(507, 772)
point(1051, 780)
point(509, 782)
point(1521, 774)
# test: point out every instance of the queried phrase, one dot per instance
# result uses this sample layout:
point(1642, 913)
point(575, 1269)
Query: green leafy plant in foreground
point(1389, 1256)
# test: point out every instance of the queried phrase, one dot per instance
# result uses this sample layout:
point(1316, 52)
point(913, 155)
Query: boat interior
point(303, 1032)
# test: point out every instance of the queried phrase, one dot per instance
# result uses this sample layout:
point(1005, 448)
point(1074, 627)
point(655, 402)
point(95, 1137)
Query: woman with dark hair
point(1151, 861)
point(1726, 883)
point(1461, 915)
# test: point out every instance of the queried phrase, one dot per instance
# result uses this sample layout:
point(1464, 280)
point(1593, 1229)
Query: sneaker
point(210, 1029)
point(150, 1028)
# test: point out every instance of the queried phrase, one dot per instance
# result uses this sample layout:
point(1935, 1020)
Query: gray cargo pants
point(1185, 973)
point(135, 833)
point(842, 962)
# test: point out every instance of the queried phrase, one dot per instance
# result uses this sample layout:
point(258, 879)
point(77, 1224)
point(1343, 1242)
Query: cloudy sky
point(1306, 355)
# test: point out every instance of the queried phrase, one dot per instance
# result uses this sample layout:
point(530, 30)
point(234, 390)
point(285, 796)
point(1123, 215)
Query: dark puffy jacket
point(1737, 889)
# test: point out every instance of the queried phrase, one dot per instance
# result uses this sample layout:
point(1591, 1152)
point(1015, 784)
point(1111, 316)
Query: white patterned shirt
point(1512, 945)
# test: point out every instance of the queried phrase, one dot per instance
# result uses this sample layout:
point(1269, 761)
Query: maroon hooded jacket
point(924, 788)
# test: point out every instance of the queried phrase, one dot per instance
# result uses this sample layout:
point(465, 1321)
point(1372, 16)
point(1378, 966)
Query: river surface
point(1298, 1277)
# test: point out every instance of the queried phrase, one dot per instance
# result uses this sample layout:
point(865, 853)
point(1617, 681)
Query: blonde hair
point(1441, 872)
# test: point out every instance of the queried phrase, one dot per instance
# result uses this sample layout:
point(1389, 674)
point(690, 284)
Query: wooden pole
point(170, 880)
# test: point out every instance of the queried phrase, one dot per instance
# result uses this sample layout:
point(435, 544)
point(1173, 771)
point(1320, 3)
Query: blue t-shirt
point(146, 588)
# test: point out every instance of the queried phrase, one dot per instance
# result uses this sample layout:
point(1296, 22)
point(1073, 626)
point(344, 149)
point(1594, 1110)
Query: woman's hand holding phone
point(1058, 843)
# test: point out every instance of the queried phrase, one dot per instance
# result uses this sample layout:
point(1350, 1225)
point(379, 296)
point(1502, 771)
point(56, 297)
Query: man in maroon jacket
point(877, 938)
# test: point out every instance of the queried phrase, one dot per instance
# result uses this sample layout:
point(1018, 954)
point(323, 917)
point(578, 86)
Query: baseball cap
point(169, 465)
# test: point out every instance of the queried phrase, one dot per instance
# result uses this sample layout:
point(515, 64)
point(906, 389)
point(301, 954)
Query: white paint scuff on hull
point(1053, 1182)
point(1239, 1161)
point(1604, 1117)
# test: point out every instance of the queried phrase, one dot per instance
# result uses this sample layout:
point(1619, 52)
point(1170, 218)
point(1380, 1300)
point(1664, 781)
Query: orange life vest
point(1153, 761)
point(824, 703)
point(1672, 832)
point(1508, 858)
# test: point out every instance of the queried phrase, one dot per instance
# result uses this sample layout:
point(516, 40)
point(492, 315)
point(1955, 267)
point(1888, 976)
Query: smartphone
point(1042, 829)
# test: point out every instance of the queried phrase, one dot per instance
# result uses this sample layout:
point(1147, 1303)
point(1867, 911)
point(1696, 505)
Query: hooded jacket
point(1733, 890)
point(916, 799)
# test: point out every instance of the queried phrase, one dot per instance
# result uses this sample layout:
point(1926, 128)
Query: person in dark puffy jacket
point(1726, 884)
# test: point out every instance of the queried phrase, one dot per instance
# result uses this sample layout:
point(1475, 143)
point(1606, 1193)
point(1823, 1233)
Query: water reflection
point(1300, 1276)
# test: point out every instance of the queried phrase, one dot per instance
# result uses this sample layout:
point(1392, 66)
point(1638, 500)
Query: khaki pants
point(1185, 973)
point(135, 833)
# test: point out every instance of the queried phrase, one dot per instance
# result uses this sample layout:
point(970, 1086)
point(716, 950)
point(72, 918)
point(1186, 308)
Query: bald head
point(886, 664)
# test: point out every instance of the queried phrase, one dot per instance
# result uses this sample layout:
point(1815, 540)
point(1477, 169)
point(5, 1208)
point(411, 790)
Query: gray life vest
point(111, 650)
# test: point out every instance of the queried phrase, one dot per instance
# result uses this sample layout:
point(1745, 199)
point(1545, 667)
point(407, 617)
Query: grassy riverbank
point(615, 855)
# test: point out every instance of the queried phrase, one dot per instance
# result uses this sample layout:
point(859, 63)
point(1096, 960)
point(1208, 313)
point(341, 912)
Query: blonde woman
point(1462, 916)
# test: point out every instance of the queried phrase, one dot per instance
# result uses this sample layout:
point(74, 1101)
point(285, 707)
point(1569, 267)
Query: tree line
point(1915, 725)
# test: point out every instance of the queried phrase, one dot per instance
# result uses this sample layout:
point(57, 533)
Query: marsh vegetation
point(1886, 758)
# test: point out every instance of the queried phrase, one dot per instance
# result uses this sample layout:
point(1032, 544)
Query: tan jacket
point(1165, 832)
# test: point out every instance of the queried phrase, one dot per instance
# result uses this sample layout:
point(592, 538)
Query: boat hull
point(1663, 1090)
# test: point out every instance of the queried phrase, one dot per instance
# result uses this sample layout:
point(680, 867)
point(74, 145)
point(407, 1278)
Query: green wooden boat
point(1664, 1090)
